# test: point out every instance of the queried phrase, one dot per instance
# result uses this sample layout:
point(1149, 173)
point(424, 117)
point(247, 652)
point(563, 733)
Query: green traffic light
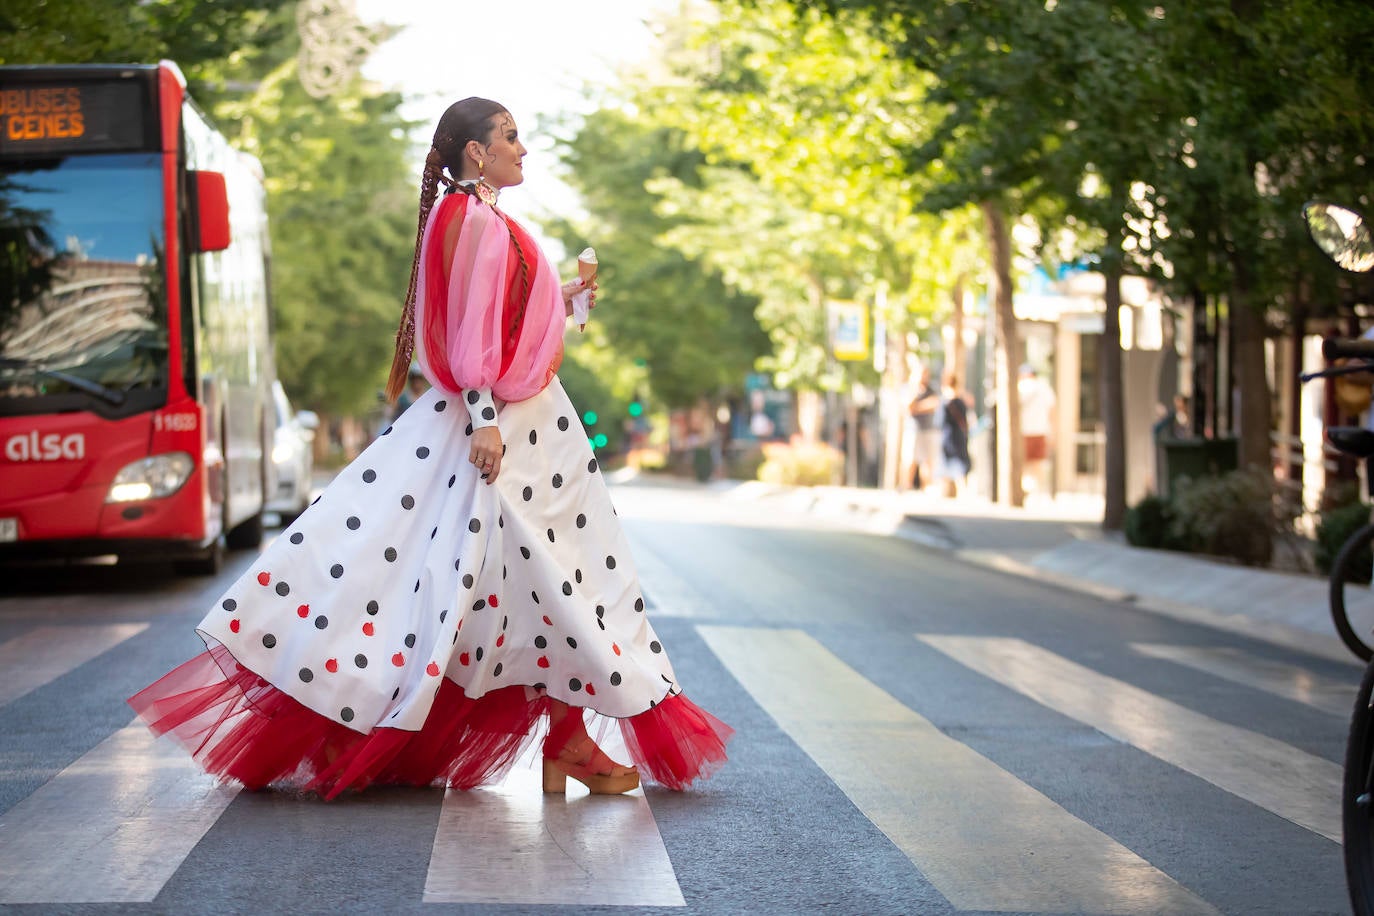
point(636, 408)
point(600, 440)
point(589, 418)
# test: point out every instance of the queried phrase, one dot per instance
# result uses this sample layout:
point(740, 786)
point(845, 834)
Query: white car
point(293, 457)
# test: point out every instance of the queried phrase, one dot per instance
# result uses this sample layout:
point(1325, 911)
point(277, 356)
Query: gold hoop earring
point(480, 166)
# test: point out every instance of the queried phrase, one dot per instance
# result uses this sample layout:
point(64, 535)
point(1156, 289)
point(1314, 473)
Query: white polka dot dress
point(411, 575)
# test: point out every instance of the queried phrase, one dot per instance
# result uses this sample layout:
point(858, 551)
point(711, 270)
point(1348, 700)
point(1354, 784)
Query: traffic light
point(636, 408)
point(589, 418)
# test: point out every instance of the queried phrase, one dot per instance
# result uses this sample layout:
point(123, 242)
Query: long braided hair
point(471, 119)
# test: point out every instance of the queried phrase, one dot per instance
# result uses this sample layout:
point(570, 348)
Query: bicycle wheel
point(1357, 806)
point(1352, 600)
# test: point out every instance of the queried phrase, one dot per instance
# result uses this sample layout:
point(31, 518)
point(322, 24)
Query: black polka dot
point(317, 499)
point(422, 452)
point(540, 642)
point(467, 430)
point(534, 437)
point(474, 526)
point(541, 686)
point(600, 610)
point(639, 604)
point(557, 481)
point(439, 406)
point(535, 596)
point(525, 552)
point(410, 640)
point(574, 684)
point(407, 502)
point(581, 520)
point(567, 587)
point(655, 648)
point(369, 475)
point(390, 554)
point(443, 614)
point(387, 431)
point(610, 562)
point(572, 643)
point(496, 672)
point(417, 586)
point(336, 570)
point(346, 713)
point(433, 532)
point(360, 660)
point(373, 607)
point(615, 678)
point(563, 423)
point(473, 396)
point(488, 413)
point(321, 622)
point(451, 479)
point(230, 605)
point(478, 653)
point(457, 564)
point(283, 589)
point(503, 622)
point(395, 693)
point(550, 535)
point(297, 538)
point(269, 641)
point(601, 625)
point(591, 466)
point(306, 675)
point(500, 521)
point(479, 604)
point(467, 580)
point(353, 523)
point(577, 574)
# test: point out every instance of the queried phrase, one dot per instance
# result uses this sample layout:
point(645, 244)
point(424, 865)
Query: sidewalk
point(1060, 542)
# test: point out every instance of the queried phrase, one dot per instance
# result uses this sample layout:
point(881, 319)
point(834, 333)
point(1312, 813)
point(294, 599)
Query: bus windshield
point(83, 305)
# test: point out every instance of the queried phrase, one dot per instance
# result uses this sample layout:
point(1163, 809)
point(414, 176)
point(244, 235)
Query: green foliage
point(588, 391)
point(1235, 515)
point(802, 464)
point(1147, 522)
point(1334, 528)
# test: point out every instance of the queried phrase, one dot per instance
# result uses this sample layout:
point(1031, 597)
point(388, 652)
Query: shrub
point(1230, 515)
point(1147, 522)
point(798, 463)
point(1333, 528)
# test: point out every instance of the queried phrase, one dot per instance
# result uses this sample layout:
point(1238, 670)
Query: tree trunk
point(956, 359)
point(1113, 401)
point(1248, 334)
point(1008, 443)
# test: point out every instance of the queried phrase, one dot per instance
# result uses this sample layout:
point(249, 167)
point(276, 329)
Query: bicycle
point(1344, 236)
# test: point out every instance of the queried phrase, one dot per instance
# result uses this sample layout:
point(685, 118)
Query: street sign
point(848, 330)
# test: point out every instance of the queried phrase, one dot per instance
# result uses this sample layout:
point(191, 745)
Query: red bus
point(136, 363)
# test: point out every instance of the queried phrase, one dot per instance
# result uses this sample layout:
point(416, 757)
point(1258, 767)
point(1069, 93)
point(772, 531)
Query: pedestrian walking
point(924, 406)
point(464, 585)
point(955, 463)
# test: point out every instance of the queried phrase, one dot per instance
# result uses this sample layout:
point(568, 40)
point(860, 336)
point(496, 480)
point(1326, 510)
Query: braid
point(405, 334)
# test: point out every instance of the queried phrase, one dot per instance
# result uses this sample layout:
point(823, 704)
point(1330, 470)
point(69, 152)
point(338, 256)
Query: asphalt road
point(914, 735)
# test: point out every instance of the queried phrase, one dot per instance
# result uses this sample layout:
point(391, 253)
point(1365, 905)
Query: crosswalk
point(116, 824)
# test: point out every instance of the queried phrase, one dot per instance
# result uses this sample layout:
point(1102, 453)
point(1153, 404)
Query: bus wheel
point(247, 535)
point(209, 563)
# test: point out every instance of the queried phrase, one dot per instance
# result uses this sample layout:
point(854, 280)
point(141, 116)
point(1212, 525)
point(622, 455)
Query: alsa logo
point(52, 447)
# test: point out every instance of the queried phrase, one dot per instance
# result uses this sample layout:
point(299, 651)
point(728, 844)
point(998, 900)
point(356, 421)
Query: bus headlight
point(151, 478)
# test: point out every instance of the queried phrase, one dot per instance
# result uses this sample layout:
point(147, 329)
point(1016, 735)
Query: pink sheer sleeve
point(461, 328)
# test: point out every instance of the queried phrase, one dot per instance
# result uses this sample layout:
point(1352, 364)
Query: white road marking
point(513, 844)
point(44, 654)
point(111, 828)
point(984, 839)
point(1278, 777)
point(1288, 681)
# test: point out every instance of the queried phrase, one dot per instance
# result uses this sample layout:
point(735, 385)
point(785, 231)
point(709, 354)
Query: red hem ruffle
point(239, 727)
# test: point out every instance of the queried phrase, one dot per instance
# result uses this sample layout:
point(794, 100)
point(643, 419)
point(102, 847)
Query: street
point(914, 734)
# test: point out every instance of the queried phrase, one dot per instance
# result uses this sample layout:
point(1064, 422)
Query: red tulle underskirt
point(239, 727)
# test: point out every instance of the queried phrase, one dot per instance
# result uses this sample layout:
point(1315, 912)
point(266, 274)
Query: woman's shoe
point(620, 780)
point(567, 753)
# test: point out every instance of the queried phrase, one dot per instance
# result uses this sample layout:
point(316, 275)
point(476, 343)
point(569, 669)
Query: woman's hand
point(572, 288)
point(487, 451)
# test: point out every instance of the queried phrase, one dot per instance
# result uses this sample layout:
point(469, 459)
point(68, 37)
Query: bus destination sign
point(39, 119)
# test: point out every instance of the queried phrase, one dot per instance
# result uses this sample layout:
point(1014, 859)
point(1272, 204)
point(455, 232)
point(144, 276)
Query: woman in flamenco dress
point(464, 585)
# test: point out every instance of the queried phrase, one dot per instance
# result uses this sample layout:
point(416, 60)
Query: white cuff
point(481, 407)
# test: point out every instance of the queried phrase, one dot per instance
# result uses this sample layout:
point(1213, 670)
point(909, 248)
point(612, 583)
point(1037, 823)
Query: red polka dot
point(491, 599)
point(591, 691)
point(264, 578)
point(500, 639)
point(332, 665)
point(547, 620)
point(543, 661)
point(463, 659)
point(398, 660)
point(368, 629)
point(234, 625)
point(303, 611)
point(615, 648)
point(432, 670)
